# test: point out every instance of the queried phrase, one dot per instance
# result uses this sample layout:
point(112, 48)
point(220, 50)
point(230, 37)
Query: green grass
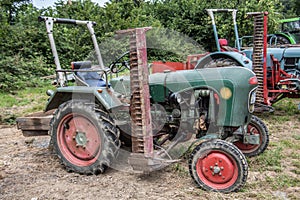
point(288, 106)
point(269, 160)
point(296, 136)
point(288, 143)
point(285, 110)
point(296, 164)
point(23, 102)
point(180, 169)
point(282, 181)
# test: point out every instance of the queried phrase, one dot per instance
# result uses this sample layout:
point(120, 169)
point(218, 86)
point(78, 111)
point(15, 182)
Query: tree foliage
point(291, 8)
point(25, 51)
point(190, 17)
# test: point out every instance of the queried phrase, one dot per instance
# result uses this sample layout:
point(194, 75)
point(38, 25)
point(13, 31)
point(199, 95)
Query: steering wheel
point(119, 64)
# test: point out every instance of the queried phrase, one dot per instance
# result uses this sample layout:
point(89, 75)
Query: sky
point(46, 3)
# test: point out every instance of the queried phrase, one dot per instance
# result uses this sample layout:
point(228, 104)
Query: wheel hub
point(81, 139)
point(217, 168)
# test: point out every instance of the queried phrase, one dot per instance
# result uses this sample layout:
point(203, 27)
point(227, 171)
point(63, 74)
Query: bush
point(18, 72)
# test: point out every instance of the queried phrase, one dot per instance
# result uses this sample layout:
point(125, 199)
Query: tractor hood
point(279, 54)
point(235, 80)
point(162, 84)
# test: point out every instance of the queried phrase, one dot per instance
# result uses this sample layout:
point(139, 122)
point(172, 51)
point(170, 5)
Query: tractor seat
point(224, 46)
point(86, 78)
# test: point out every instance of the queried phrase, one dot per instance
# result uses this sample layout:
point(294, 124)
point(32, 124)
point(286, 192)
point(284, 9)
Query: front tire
point(257, 127)
point(219, 166)
point(84, 138)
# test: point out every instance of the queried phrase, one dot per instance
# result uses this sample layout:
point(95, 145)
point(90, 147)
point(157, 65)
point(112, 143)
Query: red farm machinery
point(277, 69)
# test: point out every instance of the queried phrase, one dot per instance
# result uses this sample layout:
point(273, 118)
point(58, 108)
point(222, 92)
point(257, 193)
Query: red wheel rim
point(248, 148)
point(217, 170)
point(78, 140)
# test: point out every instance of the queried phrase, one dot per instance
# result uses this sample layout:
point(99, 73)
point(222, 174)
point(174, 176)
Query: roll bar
point(49, 21)
point(211, 14)
point(65, 21)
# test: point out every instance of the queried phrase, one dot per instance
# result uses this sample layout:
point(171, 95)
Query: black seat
point(91, 79)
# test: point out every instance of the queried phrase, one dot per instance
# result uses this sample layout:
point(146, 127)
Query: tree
point(10, 9)
point(190, 17)
point(25, 51)
point(291, 8)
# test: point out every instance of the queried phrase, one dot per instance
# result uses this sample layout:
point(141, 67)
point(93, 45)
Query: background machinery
point(277, 68)
point(289, 32)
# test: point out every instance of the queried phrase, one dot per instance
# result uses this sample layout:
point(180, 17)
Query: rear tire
point(84, 138)
point(219, 166)
point(221, 62)
point(282, 41)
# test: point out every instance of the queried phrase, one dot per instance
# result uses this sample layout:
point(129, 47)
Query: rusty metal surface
point(35, 124)
point(259, 55)
point(141, 128)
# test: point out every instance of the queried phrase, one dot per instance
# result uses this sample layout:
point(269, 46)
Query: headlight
point(225, 93)
point(251, 100)
point(253, 97)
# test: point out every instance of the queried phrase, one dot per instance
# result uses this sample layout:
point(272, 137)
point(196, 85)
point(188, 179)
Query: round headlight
point(225, 93)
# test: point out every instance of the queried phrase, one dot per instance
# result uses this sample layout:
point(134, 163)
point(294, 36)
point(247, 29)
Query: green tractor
point(145, 122)
point(289, 32)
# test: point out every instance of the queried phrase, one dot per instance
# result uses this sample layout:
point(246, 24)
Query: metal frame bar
point(211, 14)
point(49, 21)
point(80, 70)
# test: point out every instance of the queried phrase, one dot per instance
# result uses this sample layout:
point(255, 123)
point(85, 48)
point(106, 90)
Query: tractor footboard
point(35, 124)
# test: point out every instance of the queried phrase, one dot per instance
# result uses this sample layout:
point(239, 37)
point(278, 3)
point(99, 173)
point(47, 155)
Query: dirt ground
point(29, 170)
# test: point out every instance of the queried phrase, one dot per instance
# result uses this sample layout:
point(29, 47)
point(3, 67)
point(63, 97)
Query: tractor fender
point(241, 59)
point(287, 36)
point(97, 95)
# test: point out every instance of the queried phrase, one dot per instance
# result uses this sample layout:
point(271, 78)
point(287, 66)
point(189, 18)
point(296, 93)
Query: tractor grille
point(290, 63)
